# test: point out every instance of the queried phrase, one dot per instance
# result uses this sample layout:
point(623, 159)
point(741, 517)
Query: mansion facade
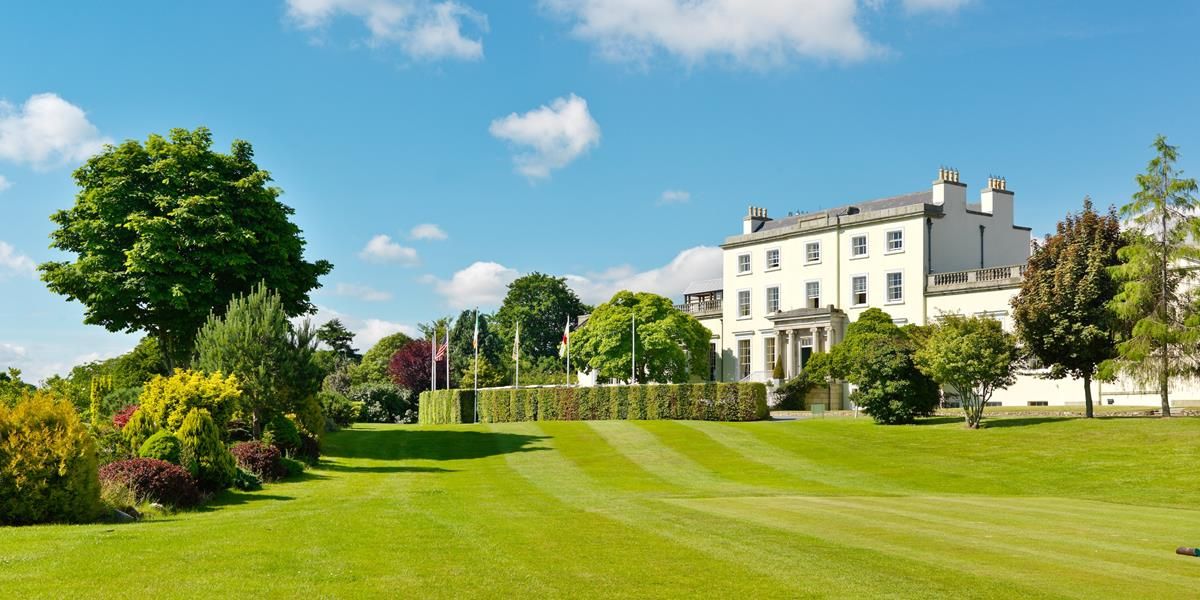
point(791, 285)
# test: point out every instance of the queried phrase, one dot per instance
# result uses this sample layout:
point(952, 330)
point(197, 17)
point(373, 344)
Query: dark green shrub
point(203, 453)
point(162, 446)
point(47, 463)
point(282, 433)
point(292, 466)
point(339, 410)
point(246, 481)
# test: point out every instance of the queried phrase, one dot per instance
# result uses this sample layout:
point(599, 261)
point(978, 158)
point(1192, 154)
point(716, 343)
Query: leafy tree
point(374, 365)
point(490, 374)
point(541, 304)
point(12, 388)
point(167, 231)
point(339, 339)
point(671, 345)
point(877, 356)
point(462, 353)
point(1156, 276)
point(272, 359)
point(410, 368)
point(128, 373)
point(1062, 313)
point(974, 355)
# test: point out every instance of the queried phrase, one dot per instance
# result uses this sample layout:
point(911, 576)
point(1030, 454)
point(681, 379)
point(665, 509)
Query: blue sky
point(614, 141)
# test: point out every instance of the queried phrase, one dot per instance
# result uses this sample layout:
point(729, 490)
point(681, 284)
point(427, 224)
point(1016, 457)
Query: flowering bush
point(261, 459)
point(122, 416)
point(153, 480)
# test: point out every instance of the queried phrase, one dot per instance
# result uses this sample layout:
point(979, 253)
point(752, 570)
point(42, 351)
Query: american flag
point(441, 352)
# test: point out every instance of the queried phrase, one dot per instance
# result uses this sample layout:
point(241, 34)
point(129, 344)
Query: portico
point(803, 331)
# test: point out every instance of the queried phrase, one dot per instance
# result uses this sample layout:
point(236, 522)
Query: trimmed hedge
point(446, 406)
point(699, 401)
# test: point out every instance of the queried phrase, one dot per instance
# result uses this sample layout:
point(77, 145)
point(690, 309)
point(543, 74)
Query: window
point(895, 240)
point(858, 290)
point(712, 362)
point(895, 287)
point(769, 353)
point(773, 258)
point(812, 294)
point(744, 358)
point(858, 246)
point(743, 263)
point(772, 299)
point(743, 305)
point(812, 252)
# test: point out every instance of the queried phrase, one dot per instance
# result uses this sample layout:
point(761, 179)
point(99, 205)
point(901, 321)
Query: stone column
point(789, 370)
point(827, 341)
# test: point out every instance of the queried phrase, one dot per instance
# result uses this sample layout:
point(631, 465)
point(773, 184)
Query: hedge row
point(446, 406)
point(700, 401)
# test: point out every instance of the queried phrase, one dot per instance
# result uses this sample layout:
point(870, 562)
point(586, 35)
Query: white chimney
point(754, 220)
point(948, 191)
point(997, 201)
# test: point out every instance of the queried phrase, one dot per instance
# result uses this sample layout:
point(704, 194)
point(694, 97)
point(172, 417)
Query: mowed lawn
point(817, 508)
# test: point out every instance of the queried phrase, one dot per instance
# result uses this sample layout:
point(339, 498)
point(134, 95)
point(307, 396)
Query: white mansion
point(791, 285)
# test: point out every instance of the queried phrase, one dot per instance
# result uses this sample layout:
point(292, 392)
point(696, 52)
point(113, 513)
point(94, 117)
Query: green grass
point(817, 508)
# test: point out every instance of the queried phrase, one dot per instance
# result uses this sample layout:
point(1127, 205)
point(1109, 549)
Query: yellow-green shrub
point(47, 463)
point(203, 453)
point(138, 429)
point(311, 416)
point(167, 401)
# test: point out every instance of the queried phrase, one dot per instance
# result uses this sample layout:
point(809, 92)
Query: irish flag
point(566, 339)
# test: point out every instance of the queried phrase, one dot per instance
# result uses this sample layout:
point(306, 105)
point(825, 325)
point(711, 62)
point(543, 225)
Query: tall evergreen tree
point(1063, 312)
point(339, 339)
point(1157, 275)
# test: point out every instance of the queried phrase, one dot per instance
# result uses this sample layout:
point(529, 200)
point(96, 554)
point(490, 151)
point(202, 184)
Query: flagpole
point(568, 350)
point(433, 359)
point(448, 384)
point(633, 349)
point(517, 356)
point(475, 343)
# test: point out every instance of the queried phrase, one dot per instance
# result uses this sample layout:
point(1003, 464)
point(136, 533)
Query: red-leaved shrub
point(153, 480)
point(122, 416)
point(261, 459)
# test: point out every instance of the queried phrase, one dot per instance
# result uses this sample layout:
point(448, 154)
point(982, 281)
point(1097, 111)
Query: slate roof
point(704, 285)
point(924, 197)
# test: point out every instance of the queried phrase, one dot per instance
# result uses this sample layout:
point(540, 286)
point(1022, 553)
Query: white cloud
point(481, 284)
point(4, 183)
point(427, 231)
point(753, 32)
point(484, 284)
point(555, 135)
point(36, 367)
point(14, 263)
point(700, 262)
point(367, 332)
point(674, 197)
point(381, 249)
point(46, 132)
point(423, 29)
point(919, 6)
point(362, 292)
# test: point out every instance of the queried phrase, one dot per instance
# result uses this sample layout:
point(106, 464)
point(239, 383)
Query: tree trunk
point(1163, 384)
point(1162, 307)
point(1087, 397)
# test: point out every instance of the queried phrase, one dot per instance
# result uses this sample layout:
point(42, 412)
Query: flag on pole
point(441, 353)
point(562, 346)
point(516, 353)
point(475, 337)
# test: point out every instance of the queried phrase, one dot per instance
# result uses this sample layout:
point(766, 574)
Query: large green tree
point(1062, 312)
point(974, 355)
point(374, 365)
point(462, 350)
point(339, 340)
point(671, 345)
point(542, 304)
point(1157, 276)
point(272, 359)
point(877, 357)
point(167, 231)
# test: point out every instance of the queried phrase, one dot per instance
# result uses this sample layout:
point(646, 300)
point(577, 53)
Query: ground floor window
point(743, 358)
point(769, 354)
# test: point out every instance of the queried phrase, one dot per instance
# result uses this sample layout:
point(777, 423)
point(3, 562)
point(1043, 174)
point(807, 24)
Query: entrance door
point(805, 352)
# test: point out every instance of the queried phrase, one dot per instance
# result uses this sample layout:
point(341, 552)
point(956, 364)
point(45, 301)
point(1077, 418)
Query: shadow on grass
point(937, 420)
point(410, 444)
point(384, 469)
point(1001, 422)
point(237, 498)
